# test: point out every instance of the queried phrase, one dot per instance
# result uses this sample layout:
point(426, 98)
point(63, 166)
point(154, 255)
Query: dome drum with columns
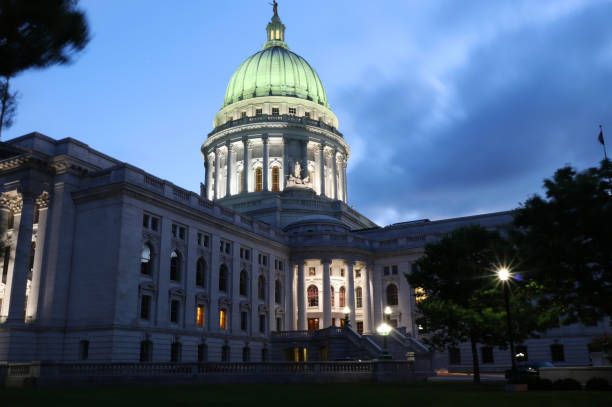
point(275, 141)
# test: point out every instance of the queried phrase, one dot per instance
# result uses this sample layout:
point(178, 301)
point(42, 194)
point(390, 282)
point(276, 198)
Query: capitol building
point(103, 262)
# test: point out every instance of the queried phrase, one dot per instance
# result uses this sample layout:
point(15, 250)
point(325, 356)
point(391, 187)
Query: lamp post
point(388, 314)
point(504, 276)
point(346, 311)
point(384, 329)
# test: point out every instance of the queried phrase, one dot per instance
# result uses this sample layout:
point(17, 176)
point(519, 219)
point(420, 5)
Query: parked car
point(526, 370)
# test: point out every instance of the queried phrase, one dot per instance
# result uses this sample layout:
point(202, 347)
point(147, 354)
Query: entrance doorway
point(313, 324)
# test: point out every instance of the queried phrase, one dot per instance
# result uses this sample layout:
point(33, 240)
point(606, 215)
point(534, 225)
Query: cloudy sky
point(451, 108)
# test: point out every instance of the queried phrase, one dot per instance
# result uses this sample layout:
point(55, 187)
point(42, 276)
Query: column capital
point(321, 146)
point(264, 138)
point(43, 200)
point(229, 146)
point(326, 260)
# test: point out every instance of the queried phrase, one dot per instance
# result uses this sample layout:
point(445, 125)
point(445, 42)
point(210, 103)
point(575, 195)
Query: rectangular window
point(386, 270)
point(358, 273)
point(228, 248)
point(307, 114)
point(150, 222)
point(275, 111)
point(200, 315)
point(200, 240)
point(243, 115)
point(394, 269)
point(241, 253)
point(145, 220)
point(154, 224)
point(244, 318)
point(258, 112)
point(360, 327)
point(84, 350)
point(486, 353)
point(223, 318)
point(556, 353)
point(174, 230)
point(312, 271)
point(206, 241)
point(145, 307)
point(454, 356)
point(521, 353)
point(202, 352)
point(181, 233)
point(279, 324)
point(174, 311)
point(262, 324)
point(280, 265)
point(292, 110)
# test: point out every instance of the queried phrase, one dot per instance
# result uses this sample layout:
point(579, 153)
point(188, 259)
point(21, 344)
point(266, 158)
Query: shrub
point(598, 383)
point(567, 384)
point(535, 383)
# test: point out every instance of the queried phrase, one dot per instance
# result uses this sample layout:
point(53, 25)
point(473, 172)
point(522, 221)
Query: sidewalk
point(444, 376)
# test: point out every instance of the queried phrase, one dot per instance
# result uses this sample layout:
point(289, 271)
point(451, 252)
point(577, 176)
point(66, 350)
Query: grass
point(373, 395)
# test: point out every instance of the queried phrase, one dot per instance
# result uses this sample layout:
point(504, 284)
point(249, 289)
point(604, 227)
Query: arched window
point(201, 272)
point(175, 266)
point(146, 351)
point(261, 288)
point(145, 260)
point(258, 179)
point(358, 297)
point(275, 178)
point(391, 294)
point(277, 291)
point(333, 296)
point(223, 278)
point(313, 296)
point(342, 297)
point(244, 283)
point(175, 352)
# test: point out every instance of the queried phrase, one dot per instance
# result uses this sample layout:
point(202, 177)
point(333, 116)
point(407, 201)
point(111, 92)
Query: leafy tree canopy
point(565, 241)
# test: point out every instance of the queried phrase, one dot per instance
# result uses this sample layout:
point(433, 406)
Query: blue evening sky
point(451, 108)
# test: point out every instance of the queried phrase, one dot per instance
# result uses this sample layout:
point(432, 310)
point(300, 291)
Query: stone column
point(289, 302)
point(322, 168)
point(265, 162)
point(15, 290)
point(326, 294)
point(335, 180)
point(210, 166)
point(376, 310)
point(304, 159)
point(228, 168)
point(32, 306)
point(213, 286)
point(365, 300)
point(351, 291)
point(286, 169)
point(301, 294)
point(217, 165)
point(245, 165)
point(345, 192)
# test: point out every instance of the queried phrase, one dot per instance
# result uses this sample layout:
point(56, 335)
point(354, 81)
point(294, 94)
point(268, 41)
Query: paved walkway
point(442, 376)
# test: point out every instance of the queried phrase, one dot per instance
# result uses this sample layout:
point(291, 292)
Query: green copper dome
point(275, 71)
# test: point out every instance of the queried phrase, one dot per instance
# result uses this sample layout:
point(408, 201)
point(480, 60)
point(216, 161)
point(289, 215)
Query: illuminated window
point(360, 327)
point(200, 315)
point(244, 283)
point(223, 275)
point(258, 179)
point(333, 296)
point(275, 179)
point(358, 297)
point(145, 260)
point(277, 291)
point(175, 266)
point(261, 288)
point(200, 272)
point(419, 294)
point(277, 34)
point(275, 111)
point(313, 296)
point(146, 351)
point(223, 318)
point(391, 294)
point(342, 297)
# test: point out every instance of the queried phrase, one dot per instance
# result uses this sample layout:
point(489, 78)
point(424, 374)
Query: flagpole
point(601, 140)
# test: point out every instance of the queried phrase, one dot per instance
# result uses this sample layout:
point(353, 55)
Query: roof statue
point(274, 5)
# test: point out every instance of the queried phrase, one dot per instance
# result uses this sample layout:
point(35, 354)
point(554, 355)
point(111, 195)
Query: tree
point(565, 242)
point(464, 299)
point(37, 34)
point(8, 103)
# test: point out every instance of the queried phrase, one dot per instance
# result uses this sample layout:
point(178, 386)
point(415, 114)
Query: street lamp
point(388, 313)
point(384, 329)
point(504, 276)
point(346, 311)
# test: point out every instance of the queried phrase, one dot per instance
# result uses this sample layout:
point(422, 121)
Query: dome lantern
point(275, 31)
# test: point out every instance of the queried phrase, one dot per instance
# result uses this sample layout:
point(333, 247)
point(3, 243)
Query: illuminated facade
point(104, 262)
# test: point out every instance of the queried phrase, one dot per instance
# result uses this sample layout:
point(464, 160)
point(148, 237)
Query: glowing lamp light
point(503, 274)
point(384, 329)
point(346, 310)
point(387, 310)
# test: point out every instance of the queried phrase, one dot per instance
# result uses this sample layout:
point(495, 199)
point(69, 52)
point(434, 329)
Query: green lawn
point(373, 395)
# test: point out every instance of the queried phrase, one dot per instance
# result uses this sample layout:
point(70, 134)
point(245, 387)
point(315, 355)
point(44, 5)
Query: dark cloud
point(526, 102)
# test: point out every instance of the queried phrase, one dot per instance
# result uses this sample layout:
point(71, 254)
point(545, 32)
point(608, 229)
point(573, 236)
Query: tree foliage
point(8, 104)
point(465, 301)
point(37, 34)
point(565, 242)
